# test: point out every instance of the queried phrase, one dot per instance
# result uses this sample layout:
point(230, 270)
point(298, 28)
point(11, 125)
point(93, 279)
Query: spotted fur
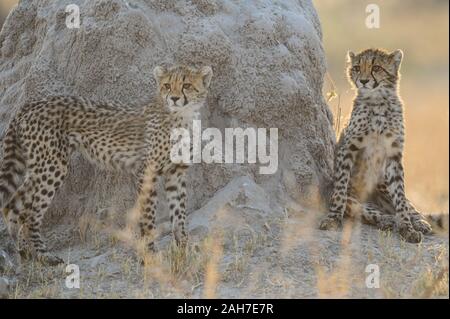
point(41, 138)
point(369, 176)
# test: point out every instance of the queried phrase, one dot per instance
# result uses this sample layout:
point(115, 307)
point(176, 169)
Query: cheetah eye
point(167, 86)
point(376, 68)
point(187, 86)
point(356, 68)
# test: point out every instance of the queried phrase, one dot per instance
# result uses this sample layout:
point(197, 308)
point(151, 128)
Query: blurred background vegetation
point(420, 28)
point(5, 7)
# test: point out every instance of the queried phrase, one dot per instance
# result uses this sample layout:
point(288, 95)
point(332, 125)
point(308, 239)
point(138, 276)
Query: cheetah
point(42, 136)
point(369, 176)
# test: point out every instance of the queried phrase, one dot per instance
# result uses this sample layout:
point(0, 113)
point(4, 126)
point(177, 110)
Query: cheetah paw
point(410, 235)
point(144, 257)
point(386, 223)
point(181, 241)
point(49, 259)
point(422, 226)
point(25, 254)
point(330, 223)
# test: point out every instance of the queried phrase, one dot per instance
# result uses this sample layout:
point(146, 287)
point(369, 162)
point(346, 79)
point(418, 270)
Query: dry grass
point(7, 4)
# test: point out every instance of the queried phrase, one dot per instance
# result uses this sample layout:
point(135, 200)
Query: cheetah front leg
point(394, 180)
point(176, 194)
point(418, 220)
point(344, 163)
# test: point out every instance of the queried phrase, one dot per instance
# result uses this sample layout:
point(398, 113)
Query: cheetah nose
point(364, 82)
point(174, 99)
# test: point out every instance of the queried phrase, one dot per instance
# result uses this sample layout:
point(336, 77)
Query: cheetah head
point(372, 69)
point(181, 87)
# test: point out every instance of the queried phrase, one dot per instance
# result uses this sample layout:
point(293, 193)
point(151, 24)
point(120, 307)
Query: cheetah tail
point(12, 167)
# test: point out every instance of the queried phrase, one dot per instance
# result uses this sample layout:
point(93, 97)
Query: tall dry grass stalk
point(330, 95)
point(212, 273)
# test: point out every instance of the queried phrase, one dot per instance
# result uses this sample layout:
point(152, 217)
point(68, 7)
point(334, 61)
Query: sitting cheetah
point(368, 175)
point(41, 138)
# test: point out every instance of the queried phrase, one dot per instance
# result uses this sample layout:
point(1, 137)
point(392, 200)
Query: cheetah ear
point(350, 56)
point(207, 73)
point(158, 72)
point(397, 57)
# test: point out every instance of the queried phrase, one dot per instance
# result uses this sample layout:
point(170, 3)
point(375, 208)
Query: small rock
point(97, 260)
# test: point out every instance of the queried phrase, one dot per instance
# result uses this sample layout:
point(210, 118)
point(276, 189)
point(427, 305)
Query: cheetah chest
point(369, 166)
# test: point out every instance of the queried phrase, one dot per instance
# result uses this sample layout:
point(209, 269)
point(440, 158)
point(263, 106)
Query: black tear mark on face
point(185, 98)
point(375, 82)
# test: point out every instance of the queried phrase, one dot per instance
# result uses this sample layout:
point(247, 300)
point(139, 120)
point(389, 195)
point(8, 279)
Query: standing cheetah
point(41, 138)
point(369, 177)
